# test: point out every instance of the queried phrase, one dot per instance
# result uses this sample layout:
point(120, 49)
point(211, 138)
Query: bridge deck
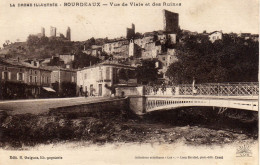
point(38, 106)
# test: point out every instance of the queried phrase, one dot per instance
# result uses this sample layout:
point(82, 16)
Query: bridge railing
point(213, 89)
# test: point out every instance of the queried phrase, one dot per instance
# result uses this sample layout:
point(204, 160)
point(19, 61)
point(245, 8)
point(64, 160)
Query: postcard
point(129, 82)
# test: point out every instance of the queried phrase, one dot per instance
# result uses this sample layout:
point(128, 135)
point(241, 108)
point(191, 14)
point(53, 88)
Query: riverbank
point(194, 127)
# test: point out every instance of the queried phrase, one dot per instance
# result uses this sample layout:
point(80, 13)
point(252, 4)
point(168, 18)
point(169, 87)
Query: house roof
point(54, 68)
point(109, 63)
point(214, 32)
point(19, 63)
point(96, 47)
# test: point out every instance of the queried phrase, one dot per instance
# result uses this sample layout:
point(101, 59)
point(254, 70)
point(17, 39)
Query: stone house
point(22, 80)
point(63, 80)
point(101, 79)
point(216, 35)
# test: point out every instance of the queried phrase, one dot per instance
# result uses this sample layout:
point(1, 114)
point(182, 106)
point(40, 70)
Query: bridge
point(143, 99)
point(222, 95)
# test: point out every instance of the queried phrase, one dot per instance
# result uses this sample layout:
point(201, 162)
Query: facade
point(63, 81)
point(99, 80)
point(22, 80)
point(141, 42)
point(131, 48)
point(116, 47)
point(151, 45)
point(246, 36)
point(67, 58)
point(151, 50)
point(216, 35)
point(172, 38)
point(166, 60)
point(95, 51)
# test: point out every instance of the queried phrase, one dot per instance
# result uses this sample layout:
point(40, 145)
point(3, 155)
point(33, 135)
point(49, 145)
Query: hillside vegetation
point(45, 47)
point(227, 60)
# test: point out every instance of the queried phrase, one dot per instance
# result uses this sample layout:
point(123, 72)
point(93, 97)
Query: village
point(101, 67)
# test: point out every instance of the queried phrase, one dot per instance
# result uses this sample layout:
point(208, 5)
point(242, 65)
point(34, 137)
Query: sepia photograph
point(129, 82)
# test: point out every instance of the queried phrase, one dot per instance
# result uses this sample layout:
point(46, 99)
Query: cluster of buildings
point(56, 76)
point(20, 80)
point(35, 78)
point(158, 45)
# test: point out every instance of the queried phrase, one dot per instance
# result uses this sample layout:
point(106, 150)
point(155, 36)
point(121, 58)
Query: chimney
point(37, 64)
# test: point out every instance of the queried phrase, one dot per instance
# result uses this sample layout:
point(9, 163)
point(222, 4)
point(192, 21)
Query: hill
point(41, 47)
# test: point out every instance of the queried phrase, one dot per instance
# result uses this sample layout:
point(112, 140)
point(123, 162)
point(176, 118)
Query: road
point(38, 106)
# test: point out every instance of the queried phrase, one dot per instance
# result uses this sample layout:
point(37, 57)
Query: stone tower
point(68, 34)
point(130, 32)
point(43, 32)
point(170, 21)
point(53, 31)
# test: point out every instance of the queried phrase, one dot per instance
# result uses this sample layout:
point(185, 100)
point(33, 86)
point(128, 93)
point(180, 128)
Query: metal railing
point(212, 89)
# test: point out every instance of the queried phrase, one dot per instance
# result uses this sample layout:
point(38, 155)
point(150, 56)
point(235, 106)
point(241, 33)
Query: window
point(30, 71)
point(85, 76)
point(20, 76)
point(35, 79)
point(107, 73)
point(35, 72)
point(163, 58)
point(20, 69)
point(5, 68)
point(30, 79)
point(47, 79)
point(5, 75)
point(100, 75)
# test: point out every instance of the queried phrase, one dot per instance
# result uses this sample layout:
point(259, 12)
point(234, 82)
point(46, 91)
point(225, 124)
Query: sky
point(100, 22)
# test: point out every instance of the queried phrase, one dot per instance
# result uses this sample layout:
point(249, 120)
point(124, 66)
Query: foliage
point(163, 88)
point(123, 74)
point(44, 47)
point(68, 89)
point(83, 60)
point(147, 72)
point(227, 60)
point(12, 90)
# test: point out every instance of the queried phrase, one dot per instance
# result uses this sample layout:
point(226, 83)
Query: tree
point(123, 74)
point(33, 41)
point(222, 61)
point(147, 72)
point(84, 60)
point(138, 35)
